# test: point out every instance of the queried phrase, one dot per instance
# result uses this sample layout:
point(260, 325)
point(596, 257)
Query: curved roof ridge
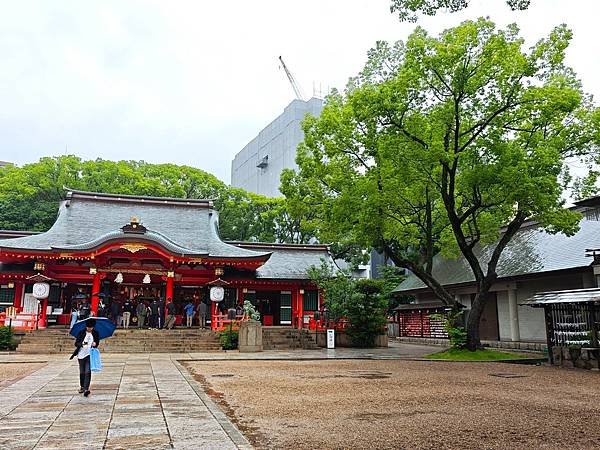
point(74, 193)
point(150, 235)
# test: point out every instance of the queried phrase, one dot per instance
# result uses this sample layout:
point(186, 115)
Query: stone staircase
point(179, 340)
point(286, 338)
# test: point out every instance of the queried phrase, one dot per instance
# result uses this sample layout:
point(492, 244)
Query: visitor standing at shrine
point(202, 309)
point(114, 311)
point(127, 310)
point(141, 311)
point(161, 314)
point(74, 316)
point(170, 320)
point(154, 314)
point(189, 313)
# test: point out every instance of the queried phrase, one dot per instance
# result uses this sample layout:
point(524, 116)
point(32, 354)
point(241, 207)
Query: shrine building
point(109, 247)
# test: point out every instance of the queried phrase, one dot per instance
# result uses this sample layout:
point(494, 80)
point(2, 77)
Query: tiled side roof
point(531, 251)
point(289, 261)
point(11, 234)
point(188, 227)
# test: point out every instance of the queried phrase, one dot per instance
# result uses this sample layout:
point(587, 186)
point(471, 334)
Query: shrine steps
point(286, 338)
point(182, 340)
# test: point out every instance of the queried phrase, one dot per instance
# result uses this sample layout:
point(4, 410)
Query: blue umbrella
point(103, 326)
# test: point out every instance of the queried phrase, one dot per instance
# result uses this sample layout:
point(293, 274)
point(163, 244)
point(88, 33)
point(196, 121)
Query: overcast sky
point(191, 82)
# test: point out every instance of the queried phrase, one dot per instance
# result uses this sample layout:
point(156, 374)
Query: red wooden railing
point(220, 322)
point(19, 321)
point(321, 325)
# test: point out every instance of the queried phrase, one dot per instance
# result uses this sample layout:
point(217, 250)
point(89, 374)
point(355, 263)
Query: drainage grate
point(222, 375)
point(508, 375)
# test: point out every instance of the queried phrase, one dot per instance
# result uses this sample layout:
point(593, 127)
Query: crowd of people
point(154, 313)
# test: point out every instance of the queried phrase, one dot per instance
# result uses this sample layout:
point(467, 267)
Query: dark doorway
point(268, 305)
point(488, 324)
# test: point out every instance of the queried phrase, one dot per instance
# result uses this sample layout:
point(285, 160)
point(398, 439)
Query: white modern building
point(258, 166)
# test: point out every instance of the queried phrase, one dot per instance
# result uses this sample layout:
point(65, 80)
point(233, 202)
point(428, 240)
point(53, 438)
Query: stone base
point(343, 340)
point(576, 358)
point(250, 337)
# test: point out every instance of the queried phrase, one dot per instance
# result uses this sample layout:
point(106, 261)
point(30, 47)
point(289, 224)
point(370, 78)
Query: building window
point(285, 311)
point(7, 295)
point(310, 301)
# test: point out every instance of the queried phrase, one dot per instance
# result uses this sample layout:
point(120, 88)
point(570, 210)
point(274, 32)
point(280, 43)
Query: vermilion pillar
point(18, 296)
point(42, 316)
point(301, 307)
point(213, 312)
point(169, 290)
point(95, 292)
point(295, 309)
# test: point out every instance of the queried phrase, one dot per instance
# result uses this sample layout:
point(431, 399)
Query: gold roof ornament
point(133, 247)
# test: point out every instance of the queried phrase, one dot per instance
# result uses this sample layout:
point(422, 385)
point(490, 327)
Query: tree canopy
point(443, 144)
point(409, 9)
point(29, 195)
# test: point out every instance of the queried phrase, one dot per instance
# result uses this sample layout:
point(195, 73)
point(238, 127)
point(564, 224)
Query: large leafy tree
point(408, 10)
point(29, 195)
point(447, 144)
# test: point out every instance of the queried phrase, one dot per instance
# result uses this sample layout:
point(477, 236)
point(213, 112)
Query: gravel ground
point(406, 404)
point(11, 372)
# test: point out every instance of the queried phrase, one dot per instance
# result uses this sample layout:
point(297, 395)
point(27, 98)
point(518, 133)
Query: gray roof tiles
point(532, 250)
point(289, 261)
point(568, 296)
point(182, 226)
point(291, 264)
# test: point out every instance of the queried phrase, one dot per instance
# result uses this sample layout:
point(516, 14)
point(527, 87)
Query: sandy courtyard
point(405, 404)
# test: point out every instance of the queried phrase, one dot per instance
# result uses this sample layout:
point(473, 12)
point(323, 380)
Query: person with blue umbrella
point(88, 334)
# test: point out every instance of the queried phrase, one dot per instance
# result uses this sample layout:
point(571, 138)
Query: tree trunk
point(477, 306)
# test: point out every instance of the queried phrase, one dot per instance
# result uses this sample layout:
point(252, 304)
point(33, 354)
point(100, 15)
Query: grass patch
point(454, 354)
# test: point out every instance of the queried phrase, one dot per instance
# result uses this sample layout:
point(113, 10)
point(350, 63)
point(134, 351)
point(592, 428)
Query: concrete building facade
point(258, 166)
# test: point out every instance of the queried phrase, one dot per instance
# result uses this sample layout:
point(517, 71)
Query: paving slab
point(141, 403)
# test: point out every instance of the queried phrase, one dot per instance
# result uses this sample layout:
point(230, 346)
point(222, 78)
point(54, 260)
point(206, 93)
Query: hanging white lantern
point(119, 278)
point(146, 279)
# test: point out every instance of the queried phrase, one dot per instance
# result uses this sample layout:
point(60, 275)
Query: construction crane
point(295, 86)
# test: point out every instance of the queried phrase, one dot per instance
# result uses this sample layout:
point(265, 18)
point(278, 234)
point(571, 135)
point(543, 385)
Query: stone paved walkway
point(149, 403)
point(139, 401)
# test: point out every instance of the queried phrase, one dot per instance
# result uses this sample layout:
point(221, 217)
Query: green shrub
point(457, 334)
point(366, 312)
point(229, 339)
point(6, 338)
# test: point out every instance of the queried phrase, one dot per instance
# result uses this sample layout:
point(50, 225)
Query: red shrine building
point(106, 248)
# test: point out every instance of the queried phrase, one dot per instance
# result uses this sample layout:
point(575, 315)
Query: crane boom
point(295, 86)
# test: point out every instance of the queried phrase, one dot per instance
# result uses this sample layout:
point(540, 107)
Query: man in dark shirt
point(170, 321)
point(154, 308)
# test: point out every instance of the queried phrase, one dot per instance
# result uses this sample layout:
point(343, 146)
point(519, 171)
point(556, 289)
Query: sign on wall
point(330, 338)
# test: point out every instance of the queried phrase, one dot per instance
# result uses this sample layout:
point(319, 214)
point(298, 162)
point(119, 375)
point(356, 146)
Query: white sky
point(191, 82)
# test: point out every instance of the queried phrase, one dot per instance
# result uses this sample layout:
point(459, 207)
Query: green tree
point(391, 277)
point(337, 286)
point(30, 195)
point(448, 144)
point(360, 301)
point(408, 9)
